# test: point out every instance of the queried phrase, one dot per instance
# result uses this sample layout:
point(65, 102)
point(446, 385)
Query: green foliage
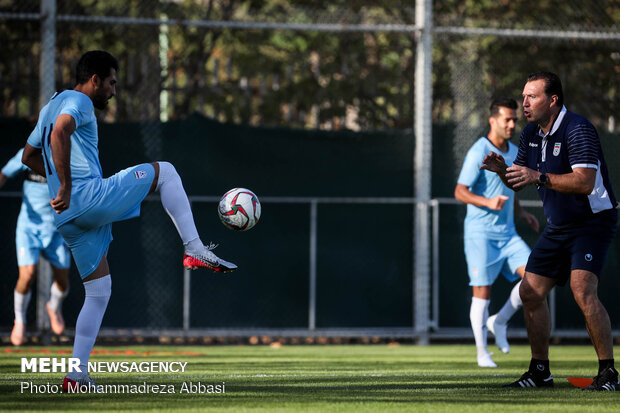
point(279, 77)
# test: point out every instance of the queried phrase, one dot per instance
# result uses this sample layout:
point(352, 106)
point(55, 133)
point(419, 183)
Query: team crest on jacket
point(556, 148)
point(140, 174)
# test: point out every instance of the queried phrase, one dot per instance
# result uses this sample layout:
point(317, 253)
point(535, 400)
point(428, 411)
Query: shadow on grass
point(273, 392)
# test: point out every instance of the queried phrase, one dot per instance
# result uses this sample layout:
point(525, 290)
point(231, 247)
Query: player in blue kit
point(561, 154)
point(63, 146)
point(492, 245)
point(36, 234)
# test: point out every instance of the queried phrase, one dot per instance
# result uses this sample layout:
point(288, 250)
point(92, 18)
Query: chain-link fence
point(319, 66)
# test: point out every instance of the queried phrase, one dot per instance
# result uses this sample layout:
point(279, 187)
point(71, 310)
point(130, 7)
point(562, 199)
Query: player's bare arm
point(580, 181)
point(33, 159)
point(528, 218)
point(463, 194)
point(3, 179)
point(61, 153)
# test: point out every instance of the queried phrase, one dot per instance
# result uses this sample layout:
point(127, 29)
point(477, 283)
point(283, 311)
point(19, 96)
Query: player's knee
point(528, 294)
point(584, 290)
point(27, 274)
point(167, 173)
point(167, 167)
point(62, 281)
point(584, 297)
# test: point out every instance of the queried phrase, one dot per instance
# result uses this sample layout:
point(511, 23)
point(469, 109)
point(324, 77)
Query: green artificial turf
point(315, 378)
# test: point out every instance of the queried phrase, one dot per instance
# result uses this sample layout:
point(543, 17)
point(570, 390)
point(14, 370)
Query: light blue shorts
point(89, 235)
point(487, 258)
point(31, 242)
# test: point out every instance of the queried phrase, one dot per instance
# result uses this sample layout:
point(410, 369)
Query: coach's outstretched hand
point(494, 162)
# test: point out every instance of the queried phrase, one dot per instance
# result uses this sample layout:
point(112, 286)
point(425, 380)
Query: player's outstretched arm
point(463, 194)
point(33, 159)
point(61, 154)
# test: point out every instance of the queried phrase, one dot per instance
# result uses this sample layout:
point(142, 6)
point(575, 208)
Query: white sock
point(175, 202)
point(478, 314)
point(57, 297)
point(20, 305)
point(511, 306)
point(97, 294)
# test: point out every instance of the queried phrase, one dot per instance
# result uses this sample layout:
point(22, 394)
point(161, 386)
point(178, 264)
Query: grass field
point(317, 378)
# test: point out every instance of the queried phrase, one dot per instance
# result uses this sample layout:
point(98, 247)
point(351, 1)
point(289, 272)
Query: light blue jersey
point(86, 172)
point(36, 233)
point(494, 224)
point(36, 210)
point(95, 202)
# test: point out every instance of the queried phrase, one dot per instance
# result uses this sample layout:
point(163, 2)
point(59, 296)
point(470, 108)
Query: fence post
point(44, 281)
point(422, 169)
point(187, 289)
point(312, 286)
point(48, 51)
point(435, 264)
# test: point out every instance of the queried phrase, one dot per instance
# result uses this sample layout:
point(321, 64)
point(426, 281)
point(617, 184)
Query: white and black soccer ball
point(239, 209)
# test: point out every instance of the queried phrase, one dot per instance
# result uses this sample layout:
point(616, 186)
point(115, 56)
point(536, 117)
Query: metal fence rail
point(436, 332)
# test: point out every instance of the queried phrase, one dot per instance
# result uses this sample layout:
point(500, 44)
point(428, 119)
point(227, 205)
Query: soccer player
point(492, 245)
point(561, 154)
point(36, 234)
point(63, 146)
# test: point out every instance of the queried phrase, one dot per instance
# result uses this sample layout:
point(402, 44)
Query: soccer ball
point(239, 209)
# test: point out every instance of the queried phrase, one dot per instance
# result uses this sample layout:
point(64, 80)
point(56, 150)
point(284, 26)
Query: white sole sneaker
point(485, 360)
point(499, 331)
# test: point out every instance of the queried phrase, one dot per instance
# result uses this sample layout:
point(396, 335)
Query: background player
point(492, 244)
point(36, 234)
point(63, 146)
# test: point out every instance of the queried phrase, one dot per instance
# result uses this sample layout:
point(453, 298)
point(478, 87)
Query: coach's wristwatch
point(542, 180)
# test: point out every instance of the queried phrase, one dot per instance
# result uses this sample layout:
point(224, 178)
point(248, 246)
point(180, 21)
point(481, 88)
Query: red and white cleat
point(56, 320)
point(80, 383)
point(207, 259)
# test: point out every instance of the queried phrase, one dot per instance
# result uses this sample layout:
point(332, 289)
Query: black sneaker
point(607, 380)
point(531, 380)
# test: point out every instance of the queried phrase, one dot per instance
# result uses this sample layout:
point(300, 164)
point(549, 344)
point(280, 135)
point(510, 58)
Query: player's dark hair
point(502, 103)
point(553, 85)
point(94, 62)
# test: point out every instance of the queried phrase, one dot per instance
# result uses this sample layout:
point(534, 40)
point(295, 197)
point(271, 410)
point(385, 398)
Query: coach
point(561, 154)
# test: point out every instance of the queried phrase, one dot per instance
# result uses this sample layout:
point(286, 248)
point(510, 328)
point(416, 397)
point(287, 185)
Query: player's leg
point(588, 256)
point(497, 324)
point(57, 253)
point(21, 299)
point(97, 292)
point(534, 290)
point(516, 252)
point(483, 268)
point(58, 293)
point(478, 313)
point(176, 203)
point(584, 285)
point(27, 246)
point(89, 249)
